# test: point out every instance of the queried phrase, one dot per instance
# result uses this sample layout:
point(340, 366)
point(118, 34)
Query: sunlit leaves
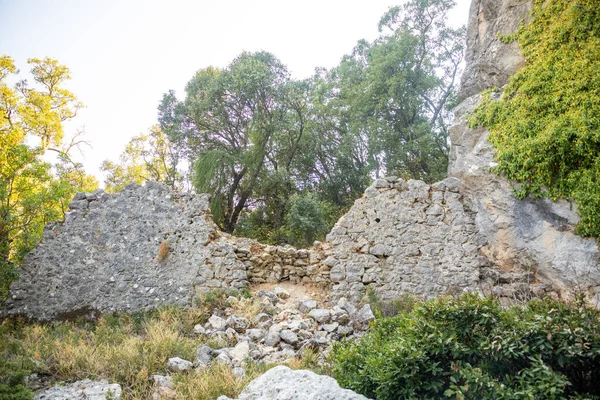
point(33, 191)
point(149, 156)
point(546, 127)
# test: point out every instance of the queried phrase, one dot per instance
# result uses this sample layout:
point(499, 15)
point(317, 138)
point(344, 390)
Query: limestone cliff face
point(490, 62)
point(535, 235)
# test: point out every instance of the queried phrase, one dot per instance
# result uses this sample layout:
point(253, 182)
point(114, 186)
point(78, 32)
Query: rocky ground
point(283, 327)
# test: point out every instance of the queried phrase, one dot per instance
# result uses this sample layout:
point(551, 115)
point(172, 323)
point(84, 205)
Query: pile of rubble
point(281, 331)
point(278, 334)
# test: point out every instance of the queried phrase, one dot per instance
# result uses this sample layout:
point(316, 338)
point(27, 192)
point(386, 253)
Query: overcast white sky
point(124, 54)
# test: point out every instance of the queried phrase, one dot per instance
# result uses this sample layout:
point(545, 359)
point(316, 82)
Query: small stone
point(364, 315)
point(262, 317)
point(163, 381)
point(337, 273)
point(217, 323)
point(223, 359)
point(435, 209)
point(240, 351)
point(272, 339)
point(256, 335)
point(304, 334)
point(452, 184)
point(345, 330)
point(320, 315)
point(306, 305)
point(380, 250)
point(231, 334)
point(288, 336)
point(177, 364)
point(199, 330)
point(239, 324)
point(321, 338)
point(281, 293)
point(346, 306)
point(330, 327)
point(203, 356)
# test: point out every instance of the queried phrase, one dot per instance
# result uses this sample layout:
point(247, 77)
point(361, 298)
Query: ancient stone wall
point(406, 237)
point(106, 256)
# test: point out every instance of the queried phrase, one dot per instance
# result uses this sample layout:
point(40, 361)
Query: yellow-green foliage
point(546, 127)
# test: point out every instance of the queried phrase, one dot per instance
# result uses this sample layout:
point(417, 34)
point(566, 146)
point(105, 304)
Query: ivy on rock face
point(546, 127)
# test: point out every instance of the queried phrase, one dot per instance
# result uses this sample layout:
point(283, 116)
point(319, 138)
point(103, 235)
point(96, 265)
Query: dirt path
point(297, 291)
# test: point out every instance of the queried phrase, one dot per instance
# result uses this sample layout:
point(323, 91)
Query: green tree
point(256, 138)
point(146, 157)
point(386, 103)
point(32, 192)
point(242, 128)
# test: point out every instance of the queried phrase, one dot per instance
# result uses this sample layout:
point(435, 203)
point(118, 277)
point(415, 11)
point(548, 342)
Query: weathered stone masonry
point(104, 256)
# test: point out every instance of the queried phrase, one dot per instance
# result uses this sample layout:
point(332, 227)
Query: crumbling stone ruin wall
point(406, 237)
point(108, 255)
point(104, 256)
point(467, 232)
point(266, 263)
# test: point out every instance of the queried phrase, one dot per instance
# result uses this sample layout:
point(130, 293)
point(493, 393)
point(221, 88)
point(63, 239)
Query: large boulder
point(283, 383)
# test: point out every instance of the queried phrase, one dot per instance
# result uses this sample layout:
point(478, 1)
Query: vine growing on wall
point(546, 126)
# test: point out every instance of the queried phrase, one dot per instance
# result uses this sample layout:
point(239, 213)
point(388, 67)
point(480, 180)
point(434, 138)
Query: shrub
point(305, 220)
point(546, 127)
point(471, 348)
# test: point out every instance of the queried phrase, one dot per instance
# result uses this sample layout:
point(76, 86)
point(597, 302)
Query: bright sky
point(124, 54)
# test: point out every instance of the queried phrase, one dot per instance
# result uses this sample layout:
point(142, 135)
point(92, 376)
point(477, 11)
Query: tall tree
point(241, 127)
point(257, 139)
point(32, 192)
point(394, 91)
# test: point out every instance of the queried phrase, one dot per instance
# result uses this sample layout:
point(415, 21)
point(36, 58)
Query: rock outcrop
point(489, 62)
point(283, 383)
point(521, 235)
point(82, 390)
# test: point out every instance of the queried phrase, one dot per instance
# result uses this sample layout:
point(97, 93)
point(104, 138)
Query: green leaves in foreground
point(546, 127)
point(471, 348)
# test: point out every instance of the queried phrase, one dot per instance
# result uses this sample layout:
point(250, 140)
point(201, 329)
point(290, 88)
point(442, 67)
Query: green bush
point(546, 127)
point(471, 348)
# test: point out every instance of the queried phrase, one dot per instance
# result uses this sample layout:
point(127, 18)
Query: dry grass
point(125, 349)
